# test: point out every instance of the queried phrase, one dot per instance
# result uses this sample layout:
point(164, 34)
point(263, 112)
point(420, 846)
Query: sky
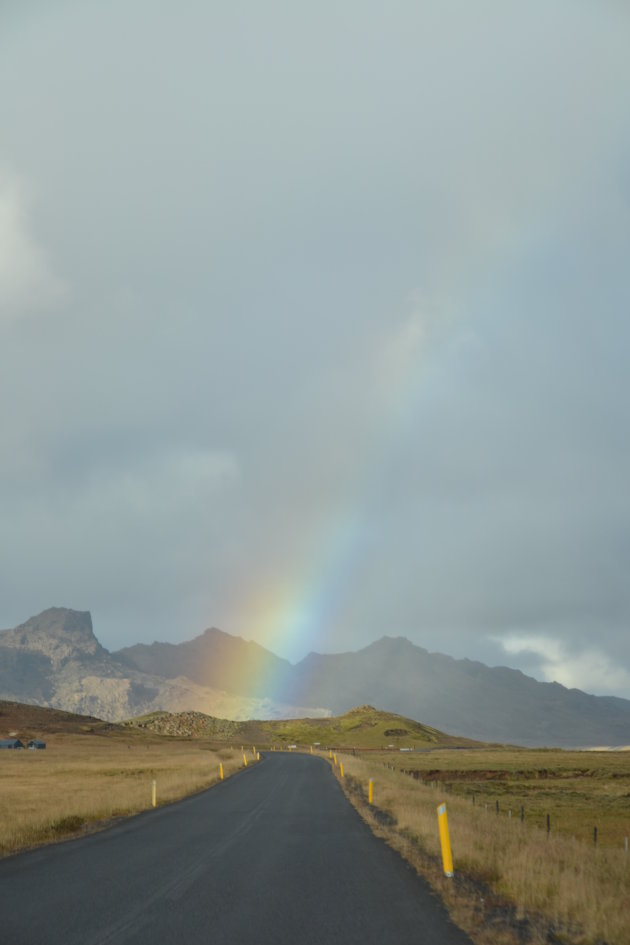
point(314, 325)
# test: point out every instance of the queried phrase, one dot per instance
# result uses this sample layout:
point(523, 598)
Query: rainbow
point(289, 619)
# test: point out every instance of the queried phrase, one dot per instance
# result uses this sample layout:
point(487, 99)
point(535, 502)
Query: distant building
point(11, 743)
point(36, 743)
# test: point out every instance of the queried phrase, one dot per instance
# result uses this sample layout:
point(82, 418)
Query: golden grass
point(517, 873)
point(81, 782)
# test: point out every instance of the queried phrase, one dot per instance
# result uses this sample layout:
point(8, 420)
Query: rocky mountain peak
point(58, 633)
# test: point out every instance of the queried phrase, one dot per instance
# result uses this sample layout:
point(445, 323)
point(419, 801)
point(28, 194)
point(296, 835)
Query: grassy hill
point(31, 721)
point(363, 728)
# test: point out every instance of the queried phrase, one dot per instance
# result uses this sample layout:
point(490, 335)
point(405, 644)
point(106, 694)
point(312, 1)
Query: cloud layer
point(313, 325)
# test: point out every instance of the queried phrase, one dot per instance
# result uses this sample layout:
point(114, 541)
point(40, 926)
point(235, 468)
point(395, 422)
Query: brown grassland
point(513, 881)
point(81, 782)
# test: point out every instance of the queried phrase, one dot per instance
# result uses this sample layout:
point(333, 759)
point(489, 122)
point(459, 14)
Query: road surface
point(275, 855)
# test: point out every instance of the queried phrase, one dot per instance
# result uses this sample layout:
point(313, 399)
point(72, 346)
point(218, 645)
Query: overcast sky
point(314, 324)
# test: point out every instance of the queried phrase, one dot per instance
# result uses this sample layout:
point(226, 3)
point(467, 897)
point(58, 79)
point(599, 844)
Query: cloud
point(589, 669)
point(410, 340)
point(27, 280)
point(348, 313)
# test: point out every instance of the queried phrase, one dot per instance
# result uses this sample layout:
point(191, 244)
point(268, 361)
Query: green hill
point(363, 727)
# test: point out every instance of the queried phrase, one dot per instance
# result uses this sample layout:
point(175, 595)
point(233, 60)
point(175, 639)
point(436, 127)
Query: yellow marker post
point(330, 753)
point(254, 751)
point(221, 770)
point(311, 749)
point(445, 841)
point(371, 792)
point(257, 756)
point(154, 793)
point(244, 760)
point(335, 759)
point(341, 770)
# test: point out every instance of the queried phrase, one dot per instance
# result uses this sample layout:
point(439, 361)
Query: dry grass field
point(82, 781)
point(513, 881)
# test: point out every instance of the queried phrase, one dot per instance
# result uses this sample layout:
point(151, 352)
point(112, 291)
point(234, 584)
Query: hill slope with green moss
point(362, 727)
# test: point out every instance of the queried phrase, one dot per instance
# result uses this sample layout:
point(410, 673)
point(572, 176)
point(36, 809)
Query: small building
point(36, 743)
point(11, 743)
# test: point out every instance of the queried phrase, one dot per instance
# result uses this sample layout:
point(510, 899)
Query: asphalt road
point(274, 856)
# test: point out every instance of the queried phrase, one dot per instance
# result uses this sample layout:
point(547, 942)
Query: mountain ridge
point(55, 659)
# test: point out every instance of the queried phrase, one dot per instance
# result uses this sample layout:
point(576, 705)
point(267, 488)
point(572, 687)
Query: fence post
point(594, 836)
point(548, 825)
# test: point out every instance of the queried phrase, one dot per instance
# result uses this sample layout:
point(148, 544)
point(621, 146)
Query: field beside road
point(93, 772)
point(578, 790)
point(513, 880)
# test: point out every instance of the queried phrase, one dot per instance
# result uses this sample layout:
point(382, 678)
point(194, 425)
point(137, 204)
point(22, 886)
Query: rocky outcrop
point(58, 634)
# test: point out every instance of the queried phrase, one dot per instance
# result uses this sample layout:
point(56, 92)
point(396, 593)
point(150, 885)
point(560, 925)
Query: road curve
point(274, 856)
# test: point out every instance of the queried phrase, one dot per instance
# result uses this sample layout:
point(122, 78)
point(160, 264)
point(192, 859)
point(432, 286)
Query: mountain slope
point(460, 696)
point(214, 659)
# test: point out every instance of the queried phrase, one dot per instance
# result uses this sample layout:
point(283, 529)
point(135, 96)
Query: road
point(275, 855)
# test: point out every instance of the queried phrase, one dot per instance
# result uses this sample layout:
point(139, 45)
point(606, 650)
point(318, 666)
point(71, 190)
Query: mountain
point(463, 697)
point(55, 660)
point(213, 659)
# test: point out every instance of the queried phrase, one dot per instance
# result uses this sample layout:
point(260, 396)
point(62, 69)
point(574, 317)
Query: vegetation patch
point(82, 782)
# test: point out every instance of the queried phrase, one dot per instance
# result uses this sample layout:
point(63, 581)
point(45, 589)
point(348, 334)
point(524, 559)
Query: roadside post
point(445, 841)
point(341, 769)
point(244, 760)
point(154, 793)
point(371, 792)
point(221, 770)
